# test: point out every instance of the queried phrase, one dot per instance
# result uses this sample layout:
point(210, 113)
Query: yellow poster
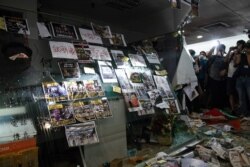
point(2, 23)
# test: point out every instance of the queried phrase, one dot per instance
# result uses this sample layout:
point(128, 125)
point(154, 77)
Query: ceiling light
point(199, 36)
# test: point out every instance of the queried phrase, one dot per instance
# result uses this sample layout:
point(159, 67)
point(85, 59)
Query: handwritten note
point(62, 50)
point(89, 36)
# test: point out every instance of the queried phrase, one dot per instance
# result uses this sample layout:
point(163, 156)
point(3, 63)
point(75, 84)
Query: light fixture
point(199, 36)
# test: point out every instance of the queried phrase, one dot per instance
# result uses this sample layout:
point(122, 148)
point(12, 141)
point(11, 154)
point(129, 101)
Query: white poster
point(152, 58)
point(43, 30)
point(137, 60)
point(107, 72)
point(90, 36)
point(99, 53)
point(63, 50)
point(190, 92)
point(120, 59)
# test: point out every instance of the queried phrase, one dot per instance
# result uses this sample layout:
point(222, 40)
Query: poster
point(17, 25)
point(62, 50)
point(117, 40)
point(132, 100)
point(81, 134)
point(153, 95)
point(190, 92)
point(99, 53)
point(173, 106)
point(134, 75)
point(63, 31)
point(147, 79)
point(43, 30)
point(137, 60)
point(89, 36)
point(83, 52)
point(152, 58)
point(69, 70)
point(76, 90)
point(107, 72)
point(147, 108)
point(61, 114)
point(94, 88)
point(2, 23)
point(54, 91)
point(163, 86)
point(122, 78)
point(141, 91)
point(89, 69)
point(102, 31)
point(83, 111)
point(120, 59)
point(100, 107)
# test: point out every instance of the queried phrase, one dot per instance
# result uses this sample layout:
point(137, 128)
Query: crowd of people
point(224, 78)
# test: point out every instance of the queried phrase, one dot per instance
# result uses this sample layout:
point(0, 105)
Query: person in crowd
point(217, 70)
point(202, 69)
point(231, 61)
point(242, 76)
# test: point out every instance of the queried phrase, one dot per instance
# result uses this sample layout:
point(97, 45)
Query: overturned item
point(16, 58)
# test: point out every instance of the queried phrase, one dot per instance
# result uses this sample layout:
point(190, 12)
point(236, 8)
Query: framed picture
point(83, 52)
point(83, 111)
point(137, 60)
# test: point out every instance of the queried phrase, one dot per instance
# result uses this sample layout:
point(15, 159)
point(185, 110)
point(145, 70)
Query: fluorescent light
point(199, 36)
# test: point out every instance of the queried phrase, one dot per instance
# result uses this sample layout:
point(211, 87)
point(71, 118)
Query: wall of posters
point(81, 134)
point(62, 50)
point(63, 30)
point(90, 36)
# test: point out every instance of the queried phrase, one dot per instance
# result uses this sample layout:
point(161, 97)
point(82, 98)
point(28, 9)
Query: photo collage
point(76, 104)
